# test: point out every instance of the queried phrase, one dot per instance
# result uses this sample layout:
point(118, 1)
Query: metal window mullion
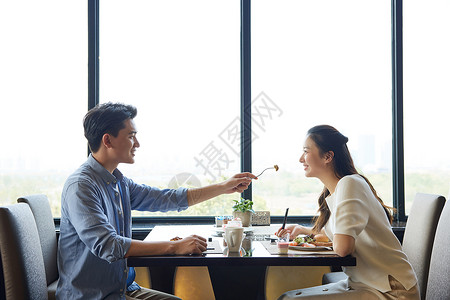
point(246, 138)
point(93, 54)
point(398, 168)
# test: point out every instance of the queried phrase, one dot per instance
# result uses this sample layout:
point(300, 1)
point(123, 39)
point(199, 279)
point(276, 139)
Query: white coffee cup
point(234, 237)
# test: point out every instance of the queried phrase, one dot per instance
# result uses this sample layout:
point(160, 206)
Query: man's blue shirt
point(95, 230)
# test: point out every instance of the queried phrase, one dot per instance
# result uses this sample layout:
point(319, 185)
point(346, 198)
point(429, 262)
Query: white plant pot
point(246, 217)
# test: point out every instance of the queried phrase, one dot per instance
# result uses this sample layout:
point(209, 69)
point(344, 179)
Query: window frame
point(145, 223)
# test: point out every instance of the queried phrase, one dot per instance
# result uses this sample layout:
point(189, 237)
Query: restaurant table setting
point(257, 251)
point(236, 252)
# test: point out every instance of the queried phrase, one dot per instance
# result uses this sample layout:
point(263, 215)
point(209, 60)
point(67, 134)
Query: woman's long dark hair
point(327, 138)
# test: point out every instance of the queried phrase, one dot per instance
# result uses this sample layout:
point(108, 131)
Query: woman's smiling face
point(313, 162)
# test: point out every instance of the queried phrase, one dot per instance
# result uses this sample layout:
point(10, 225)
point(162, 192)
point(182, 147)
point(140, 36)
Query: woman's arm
point(343, 244)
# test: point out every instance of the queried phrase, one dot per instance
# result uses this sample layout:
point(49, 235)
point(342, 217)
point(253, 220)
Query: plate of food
point(311, 243)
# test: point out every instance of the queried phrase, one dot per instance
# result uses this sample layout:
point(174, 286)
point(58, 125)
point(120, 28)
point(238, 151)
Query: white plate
point(318, 248)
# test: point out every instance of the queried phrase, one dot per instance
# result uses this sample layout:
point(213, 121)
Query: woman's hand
point(288, 229)
point(293, 230)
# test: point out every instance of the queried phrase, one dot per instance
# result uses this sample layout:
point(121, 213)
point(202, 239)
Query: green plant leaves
point(243, 205)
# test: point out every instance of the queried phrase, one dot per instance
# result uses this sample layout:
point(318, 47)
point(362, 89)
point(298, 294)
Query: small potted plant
point(243, 209)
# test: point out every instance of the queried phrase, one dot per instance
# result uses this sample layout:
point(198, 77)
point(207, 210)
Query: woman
point(357, 221)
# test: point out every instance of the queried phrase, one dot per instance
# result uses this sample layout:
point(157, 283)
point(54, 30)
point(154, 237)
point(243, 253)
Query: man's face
point(125, 144)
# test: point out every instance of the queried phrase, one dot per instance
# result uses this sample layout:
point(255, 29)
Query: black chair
point(21, 254)
point(42, 213)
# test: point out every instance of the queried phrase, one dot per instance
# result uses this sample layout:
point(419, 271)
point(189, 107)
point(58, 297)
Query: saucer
point(219, 230)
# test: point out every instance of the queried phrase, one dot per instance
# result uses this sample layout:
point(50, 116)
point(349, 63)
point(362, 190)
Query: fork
point(274, 167)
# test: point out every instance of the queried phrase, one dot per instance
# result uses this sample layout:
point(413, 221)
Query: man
point(96, 204)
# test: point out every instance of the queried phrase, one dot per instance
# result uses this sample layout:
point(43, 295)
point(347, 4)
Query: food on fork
point(274, 167)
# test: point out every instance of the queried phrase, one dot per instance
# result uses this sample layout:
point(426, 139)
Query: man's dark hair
point(106, 118)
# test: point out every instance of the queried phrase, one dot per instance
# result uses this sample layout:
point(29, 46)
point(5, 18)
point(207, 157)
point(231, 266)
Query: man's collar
point(104, 174)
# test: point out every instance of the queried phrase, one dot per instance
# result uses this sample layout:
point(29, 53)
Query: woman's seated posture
point(357, 221)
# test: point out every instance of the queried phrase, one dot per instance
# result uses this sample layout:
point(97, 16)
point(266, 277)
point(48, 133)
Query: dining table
point(243, 271)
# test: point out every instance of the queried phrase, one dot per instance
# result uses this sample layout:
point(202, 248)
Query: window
point(43, 87)
point(178, 63)
point(426, 98)
point(319, 63)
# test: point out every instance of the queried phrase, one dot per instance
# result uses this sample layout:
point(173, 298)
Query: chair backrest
point(2, 281)
point(419, 234)
point(42, 213)
point(21, 254)
point(438, 277)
